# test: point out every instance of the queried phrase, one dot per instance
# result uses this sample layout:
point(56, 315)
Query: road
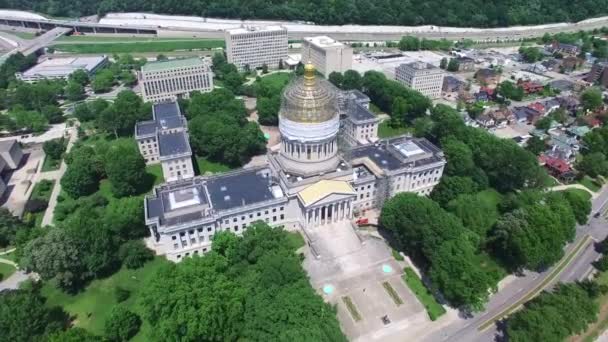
point(579, 268)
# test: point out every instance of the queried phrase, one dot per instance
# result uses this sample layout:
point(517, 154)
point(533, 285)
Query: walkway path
point(575, 186)
point(47, 220)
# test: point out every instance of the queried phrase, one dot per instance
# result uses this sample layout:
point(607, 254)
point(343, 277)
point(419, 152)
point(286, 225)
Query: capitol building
point(329, 168)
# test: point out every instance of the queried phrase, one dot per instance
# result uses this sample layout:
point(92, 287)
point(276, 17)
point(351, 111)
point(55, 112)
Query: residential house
point(569, 103)
point(570, 63)
point(565, 49)
point(562, 85)
point(551, 105)
point(526, 114)
point(502, 117)
point(466, 64)
point(537, 106)
point(598, 74)
point(552, 64)
point(557, 167)
point(485, 94)
point(578, 131)
point(530, 87)
point(452, 84)
point(488, 77)
point(485, 120)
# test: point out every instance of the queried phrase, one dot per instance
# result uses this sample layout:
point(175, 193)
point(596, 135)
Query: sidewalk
point(47, 220)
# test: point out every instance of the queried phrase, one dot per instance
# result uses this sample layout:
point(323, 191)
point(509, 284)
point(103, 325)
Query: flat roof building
point(62, 68)
point(165, 140)
point(423, 77)
point(256, 46)
point(327, 54)
point(169, 80)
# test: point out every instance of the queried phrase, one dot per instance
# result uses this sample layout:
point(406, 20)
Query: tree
point(79, 180)
point(241, 286)
point(580, 204)
point(409, 43)
point(125, 218)
point(29, 120)
point(121, 325)
point(511, 91)
point(126, 169)
point(233, 81)
point(423, 126)
point(530, 54)
point(74, 335)
point(268, 110)
point(128, 78)
point(336, 78)
point(450, 187)
point(55, 148)
point(453, 65)
point(79, 77)
point(591, 99)
point(476, 213)
point(536, 145)
point(134, 254)
point(553, 316)
point(281, 65)
point(351, 80)
point(544, 123)
point(459, 158)
point(55, 256)
point(25, 317)
point(264, 68)
point(9, 226)
point(120, 118)
point(443, 64)
point(53, 114)
point(103, 81)
point(74, 91)
point(593, 165)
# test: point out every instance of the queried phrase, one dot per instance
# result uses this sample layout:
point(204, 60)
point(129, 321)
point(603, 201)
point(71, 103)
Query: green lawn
point(396, 255)
point(295, 239)
point(386, 131)
point(9, 256)
point(146, 46)
point(581, 192)
point(22, 35)
point(205, 165)
point(42, 190)
point(490, 195)
point(433, 309)
point(50, 164)
point(6, 270)
point(392, 293)
point(590, 183)
point(92, 306)
point(276, 81)
point(155, 170)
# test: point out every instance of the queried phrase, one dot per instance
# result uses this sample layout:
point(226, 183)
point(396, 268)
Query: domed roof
point(309, 99)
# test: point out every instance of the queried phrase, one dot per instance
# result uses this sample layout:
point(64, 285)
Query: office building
point(62, 68)
point(309, 181)
point(326, 54)
point(423, 77)
point(255, 46)
point(165, 140)
point(169, 80)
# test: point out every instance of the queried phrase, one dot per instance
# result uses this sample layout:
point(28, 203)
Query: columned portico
point(328, 213)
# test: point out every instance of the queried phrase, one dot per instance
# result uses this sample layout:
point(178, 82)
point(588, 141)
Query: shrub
point(121, 294)
point(134, 254)
point(122, 324)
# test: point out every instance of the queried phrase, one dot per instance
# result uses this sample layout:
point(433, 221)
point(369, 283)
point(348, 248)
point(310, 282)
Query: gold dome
point(309, 99)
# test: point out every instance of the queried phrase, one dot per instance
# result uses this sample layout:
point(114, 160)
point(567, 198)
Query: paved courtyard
point(356, 268)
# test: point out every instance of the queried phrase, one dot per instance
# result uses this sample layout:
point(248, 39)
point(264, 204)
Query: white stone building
point(308, 181)
point(169, 80)
point(10, 154)
point(62, 68)
point(164, 139)
point(256, 46)
point(326, 54)
point(423, 77)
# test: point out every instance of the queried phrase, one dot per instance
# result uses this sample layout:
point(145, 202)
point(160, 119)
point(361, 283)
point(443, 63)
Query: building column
point(336, 206)
point(317, 216)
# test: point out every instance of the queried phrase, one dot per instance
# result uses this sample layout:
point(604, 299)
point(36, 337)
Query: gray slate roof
point(173, 143)
point(243, 188)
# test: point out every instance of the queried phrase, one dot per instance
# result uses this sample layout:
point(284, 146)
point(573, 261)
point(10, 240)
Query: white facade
point(173, 79)
point(254, 46)
point(307, 182)
point(326, 54)
point(421, 76)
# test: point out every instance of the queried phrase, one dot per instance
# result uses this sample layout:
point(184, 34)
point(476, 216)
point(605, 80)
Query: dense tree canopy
point(247, 288)
point(553, 316)
point(126, 169)
point(25, 317)
point(453, 13)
